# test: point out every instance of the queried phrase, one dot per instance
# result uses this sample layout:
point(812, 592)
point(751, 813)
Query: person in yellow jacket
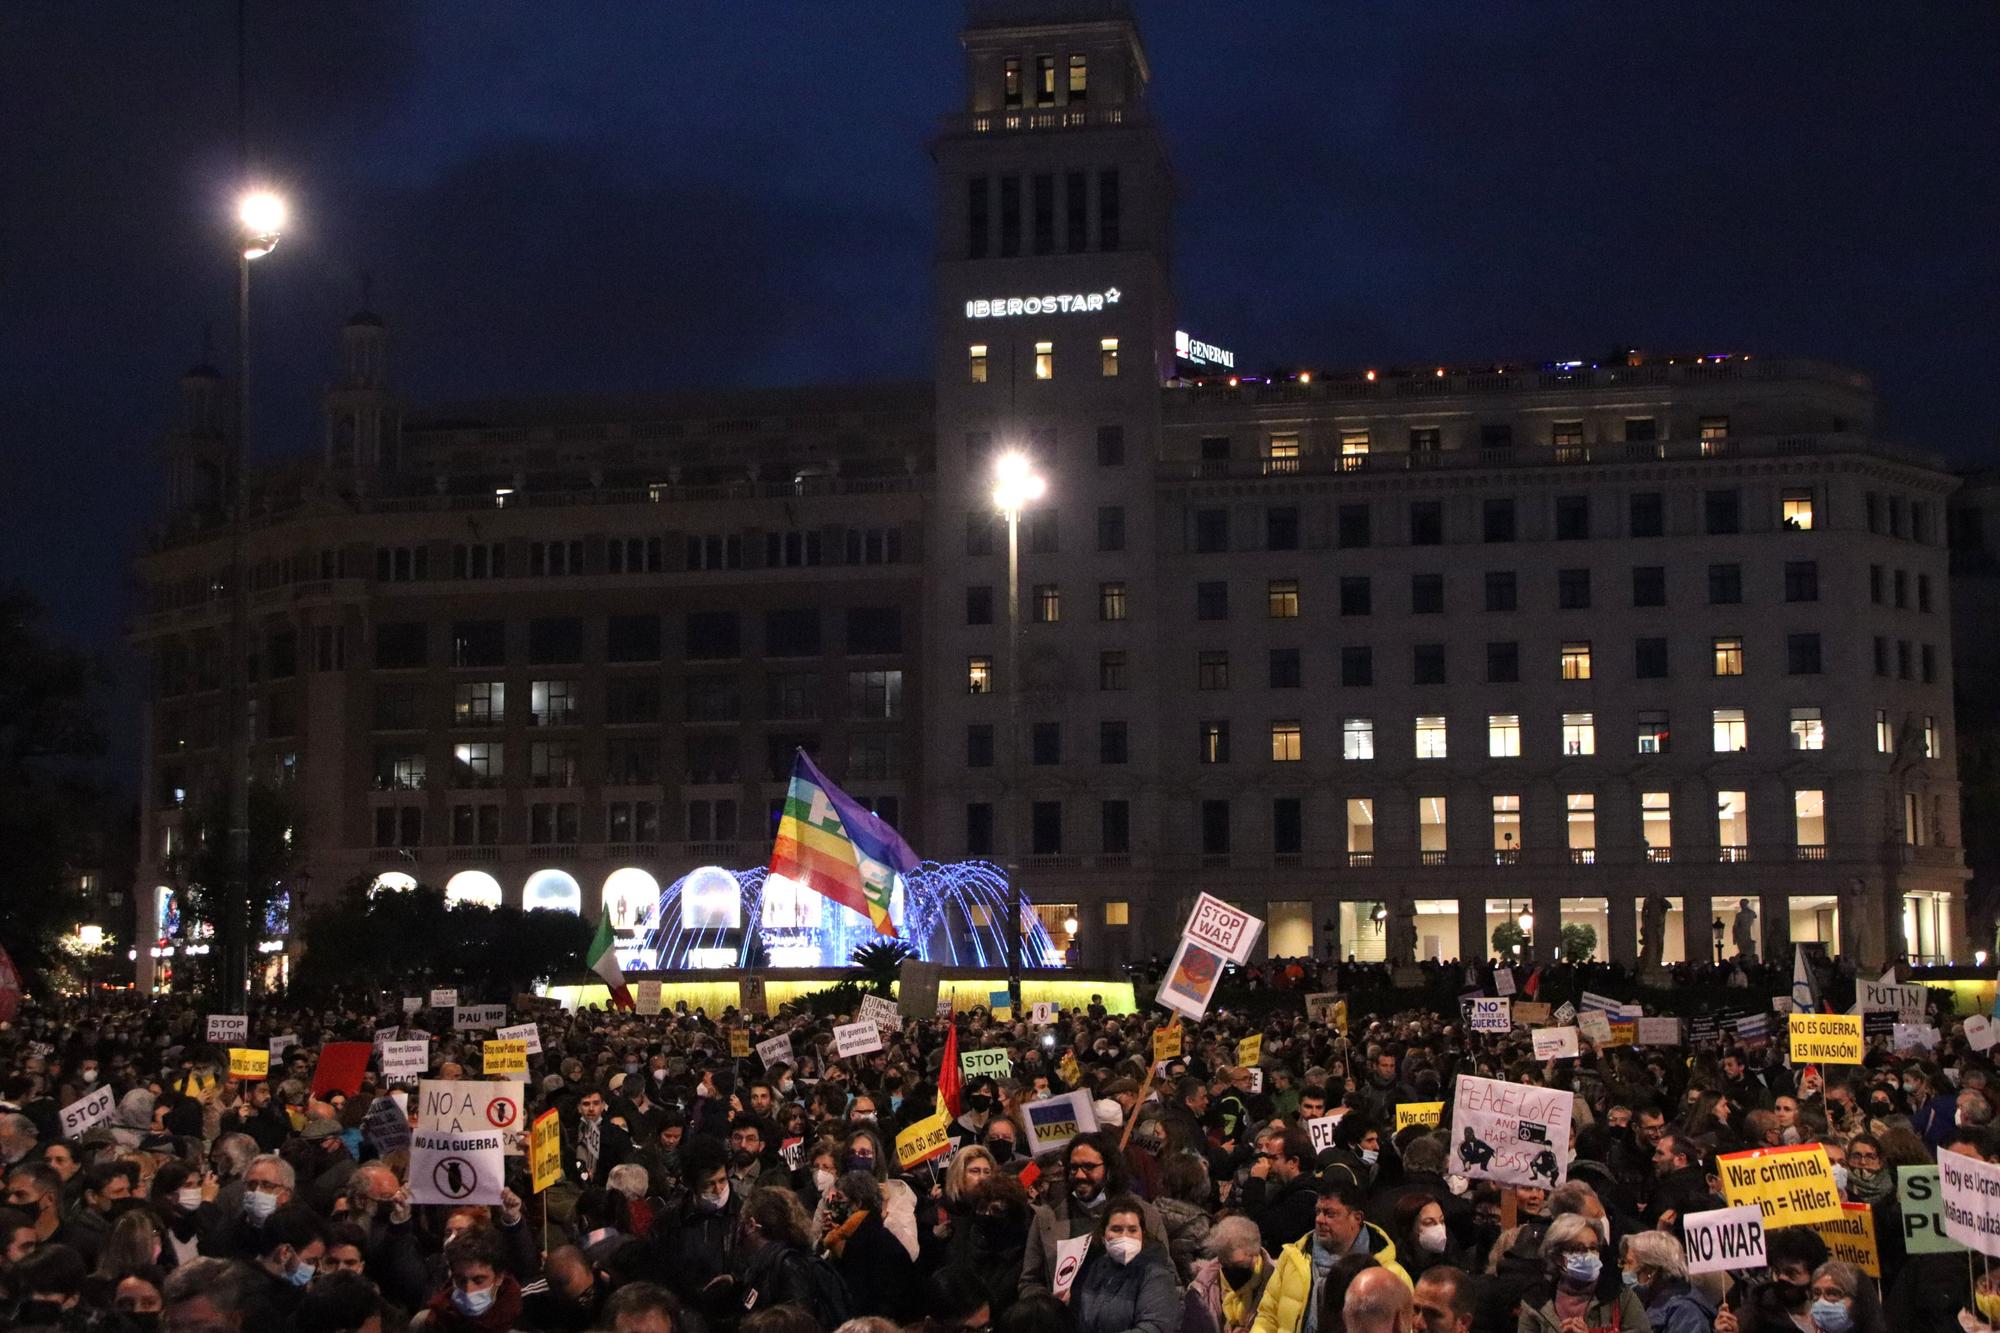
point(1291, 1297)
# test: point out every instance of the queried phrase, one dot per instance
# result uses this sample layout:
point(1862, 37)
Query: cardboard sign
point(1492, 1014)
point(1418, 1113)
point(1503, 981)
point(279, 1045)
point(1221, 928)
point(1322, 1129)
point(1594, 1025)
point(405, 1059)
point(86, 1111)
point(229, 1029)
point(1250, 1050)
point(1190, 982)
point(1054, 1121)
point(1001, 1005)
point(1793, 1186)
point(1069, 1261)
point(739, 1044)
point(469, 1106)
point(917, 988)
point(1724, 1240)
point(386, 1126)
point(1826, 1039)
point(1041, 1013)
point(1658, 1032)
point(1166, 1043)
point(646, 998)
point(882, 1013)
point(856, 1039)
point(1886, 996)
point(1981, 1032)
point(340, 1067)
point(444, 997)
point(1510, 1132)
point(1319, 1006)
point(529, 1033)
point(412, 1003)
point(477, 1017)
point(545, 1150)
point(1914, 1037)
point(249, 1062)
point(751, 998)
point(1555, 1043)
point(1922, 1206)
point(455, 1168)
point(1852, 1238)
point(774, 1051)
point(1969, 1191)
point(505, 1056)
point(927, 1140)
point(991, 1061)
point(1532, 1012)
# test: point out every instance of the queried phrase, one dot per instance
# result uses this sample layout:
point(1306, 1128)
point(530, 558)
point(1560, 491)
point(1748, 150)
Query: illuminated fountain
point(954, 914)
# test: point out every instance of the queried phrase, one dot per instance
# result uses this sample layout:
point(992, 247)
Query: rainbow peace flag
point(835, 846)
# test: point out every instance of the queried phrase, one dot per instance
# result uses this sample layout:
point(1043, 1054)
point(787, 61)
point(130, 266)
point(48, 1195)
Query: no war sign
point(455, 1168)
point(470, 1106)
point(1724, 1240)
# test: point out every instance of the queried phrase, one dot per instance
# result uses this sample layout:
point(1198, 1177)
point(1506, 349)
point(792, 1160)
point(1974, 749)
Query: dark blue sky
point(634, 195)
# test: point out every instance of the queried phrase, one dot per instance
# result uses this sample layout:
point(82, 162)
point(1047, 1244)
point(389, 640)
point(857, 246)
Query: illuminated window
point(1795, 510)
point(1360, 826)
point(1079, 90)
point(1885, 735)
point(979, 675)
point(1506, 828)
point(1045, 361)
point(1656, 822)
point(1732, 824)
point(1048, 603)
point(1432, 822)
point(1654, 738)
point(1579, 733)
point(1107, 353)
point(1729, 657)
point(1808, 730)
point(1353, 449)
point(1283, 455)
point(1010, 83)
point(1110, 601)
point(480, 703)
point(1930, 737)
point(976, 363)
point(1503, 735)
point(1214, 741)
point(1117, 914)
point(1430, 737)
point(1045, 80)
point(1582, 810)
point(1809, 818)
point(1732, 733)
point(1576, 661)
point(1715, 428)
point(1284, 599)
point(1287, 741)
point(1357, 738)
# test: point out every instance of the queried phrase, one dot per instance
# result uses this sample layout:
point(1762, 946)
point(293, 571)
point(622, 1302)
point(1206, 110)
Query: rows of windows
point(1924, 656)
point(627, 761)
point(638, 700)
point(1044, 190)
point(640, 555)
point(979, 360)
point(710, 635)
point(549, 823)
point(1887, 586)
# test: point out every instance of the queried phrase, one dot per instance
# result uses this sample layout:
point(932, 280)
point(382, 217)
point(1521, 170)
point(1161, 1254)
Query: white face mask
point(1432, 1238)
point(189, 1198)
point(1122, 1249)
point(90, 1076)
point(257, 1205)
point(822, 1179)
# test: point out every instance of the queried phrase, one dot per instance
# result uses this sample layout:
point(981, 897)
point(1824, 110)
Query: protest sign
point(1885, 996)
point(1826, 1039)
point(1593, 1025)
point(1981, 1032)
point(882, 1013)
point(411, 1004)
point(1319, 1006)
point(774, 1051)
point(455, 1168)
point(469, 1106)
point(1001, 1005)
point(444, 997)
point(405, 1059)
point(529, 1033)
point(341, 1066)
point(927, 1140)
point(1250, 1050)
point(1492, 1014)
point(739, 1044)
point(386, 1126)
point(1592, 1000)
point(279, 1045)
point(477, 1017)
point(1054, 1121)
point(228, 1029)
point(1703, 1028)
point(1554, 1043)
point(1418, 1113)
point(1851, 1237)
point(992, 1061)
point(507, 1057)
point(917, 988)
point(646, 998)
point(1167, 1043)
point(1503, 981)
point(1221, 928)
point(1565, 1013)
point(856, 1039)
point(545, 1150)
point(86, 1111)
point(1793, 1186)
point(1531, 1012)
point(249, 1062)
point(1969, 1194)
point(1510, 1132)
point(1041, 1013)
point(1913, 1037)
point(1069, 1259)
point(1753, 1029)
point(751, 997)
point(1923, 1211)
point(1322, 1129)
point(1724, 1239)
point(1191, 979)
point(1658, 1032)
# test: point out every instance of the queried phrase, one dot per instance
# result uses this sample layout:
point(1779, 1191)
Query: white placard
point(882, 1013)
point(1555, 1043)
point(1724, 1239)
point(476, 1017)
point(84, 1112)
point(468, 1106)
point(1042, 1014)
point(1888, 997)
point(856, 1039)
point(1492, 1014)
point(646, 998)
point(1593, 1024)
point(1069, 1260)
point(1503, 981)
point(234, 1029)
point(1981, 1032)
point(1510, 1132)
point(774, 1051)
point(406, 1059)
point(1969, 1201)
point(1191, 979)
point(1592, 1000)
point(444, 997)
point(1658, 1032)
point(1321, 1131)
point(1915, 1036)
point(455, 1168)
point(1054, 1121)
point(528, 1032)
point(412, 1003)
point(1227, 930)
point(279, 1045)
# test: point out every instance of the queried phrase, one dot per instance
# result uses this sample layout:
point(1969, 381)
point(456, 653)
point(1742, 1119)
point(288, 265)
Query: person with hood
point(1093, 1173)
point(876, 1267)
point(1229, 1279)
point(1573, 1263)
point(1290, 1303)
point(1655, 1267)
point(1127, 1282)
point(994, 1240)
point(481, 1296)
point(133, 1120)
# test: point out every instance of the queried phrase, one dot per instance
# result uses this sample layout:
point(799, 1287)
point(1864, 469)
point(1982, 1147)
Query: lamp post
point(1016, 484)
point(260, 217)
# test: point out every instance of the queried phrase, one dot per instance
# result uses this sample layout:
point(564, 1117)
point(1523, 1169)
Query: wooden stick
point(1510, 1208)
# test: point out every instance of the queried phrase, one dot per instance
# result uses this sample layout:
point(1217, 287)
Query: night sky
point(665, 194)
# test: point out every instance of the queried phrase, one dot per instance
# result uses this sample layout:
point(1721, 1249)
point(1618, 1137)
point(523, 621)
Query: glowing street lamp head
point(262, 216)
point(1016, 484)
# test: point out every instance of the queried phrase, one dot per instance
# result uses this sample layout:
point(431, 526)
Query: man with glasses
point(1094, 1172)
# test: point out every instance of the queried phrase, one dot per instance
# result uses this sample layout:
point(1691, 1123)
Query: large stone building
point(1392, 657)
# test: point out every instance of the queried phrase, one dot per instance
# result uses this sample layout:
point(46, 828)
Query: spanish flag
point(832, 844)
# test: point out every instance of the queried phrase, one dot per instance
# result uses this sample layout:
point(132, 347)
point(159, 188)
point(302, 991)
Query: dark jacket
point(692, 1246)
point(1284, 1212)
point(879, 1273)
point(1139, 1297)
point(614, 1148)
point(1676, 1307)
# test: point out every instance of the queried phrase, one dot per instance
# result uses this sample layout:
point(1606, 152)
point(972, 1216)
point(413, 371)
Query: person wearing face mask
point(1573, 1263)
point(1127, 1283)
point(1780, 1303)
point(865, 1151)
point(290, 1245)
point(874, 1264)
point(1093, 1174)
point(1843, 1301)
point(1229, 1279)
point(694, 1239)
point(1423, 1241)
point(1655, 1267)
point(1869, 1179)
point(481, 1296)
point(992, 1241)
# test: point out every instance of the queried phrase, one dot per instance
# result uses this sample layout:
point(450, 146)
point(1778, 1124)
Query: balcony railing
point(1731, 852)
point(1659, 856)
point(1360, 860)
point(1506, 856)
point(1431, 858)
point(1809, 851)
point(1583, 856)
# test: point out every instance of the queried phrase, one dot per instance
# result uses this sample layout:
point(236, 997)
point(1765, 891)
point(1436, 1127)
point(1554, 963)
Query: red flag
point(1534, 983)
point(341, 1065)
point(10, 988)
point(949, 1081)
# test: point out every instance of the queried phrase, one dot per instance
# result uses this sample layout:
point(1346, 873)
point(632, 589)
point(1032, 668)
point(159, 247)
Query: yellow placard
point(1250, 1050)
point(1418, 1113)
point(246, 1062)
point(1167, 1042)
point(506, 1056)
point(1827, 1039)
point(928, 1138)
point(1791, 1186)
point(1071, 1071)
point(1852, 1238)
point(1340, 1014)
point(545, 1150)
point(739, 1044)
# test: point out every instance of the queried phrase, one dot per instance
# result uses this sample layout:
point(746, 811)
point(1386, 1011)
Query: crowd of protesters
point(704, 1191)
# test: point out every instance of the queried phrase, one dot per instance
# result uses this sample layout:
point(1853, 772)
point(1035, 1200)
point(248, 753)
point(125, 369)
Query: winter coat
point(1139, 1297)
point(1211, 1290)
point(1187, 1227)
point(1675, 1307)
point(1618, 1314)
point(878, 1272)
point(1290, 1290)
point(1063, 1220)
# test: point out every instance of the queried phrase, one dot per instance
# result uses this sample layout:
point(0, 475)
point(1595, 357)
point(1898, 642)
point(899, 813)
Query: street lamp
point(260, 217)
point(1016, 485)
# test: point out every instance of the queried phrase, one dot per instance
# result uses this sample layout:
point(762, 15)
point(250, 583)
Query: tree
point(411, 940)
point(1578, 942)
point(1506, 936)
point(880, 961)
point(203, 866)
point(49, 799)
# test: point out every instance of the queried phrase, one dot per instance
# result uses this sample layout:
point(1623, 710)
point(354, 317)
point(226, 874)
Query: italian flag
point(603, 960)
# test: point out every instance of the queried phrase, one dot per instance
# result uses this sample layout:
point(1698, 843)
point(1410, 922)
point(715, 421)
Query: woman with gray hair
point(1573, 1259)
point(1656, 1268)
point(1228, 1279)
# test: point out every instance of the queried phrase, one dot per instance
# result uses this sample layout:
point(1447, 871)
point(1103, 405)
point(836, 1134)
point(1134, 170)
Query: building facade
point(1393, 658)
